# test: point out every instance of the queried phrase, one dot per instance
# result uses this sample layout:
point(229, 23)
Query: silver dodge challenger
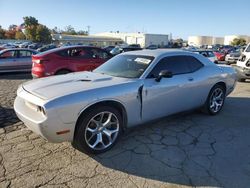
point(91, 109)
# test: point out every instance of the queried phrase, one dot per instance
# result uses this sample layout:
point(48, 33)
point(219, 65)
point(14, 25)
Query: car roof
point(63, 48)
point(158, 52)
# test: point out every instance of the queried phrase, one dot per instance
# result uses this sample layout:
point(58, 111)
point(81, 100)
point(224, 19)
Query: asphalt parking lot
point(191, 149)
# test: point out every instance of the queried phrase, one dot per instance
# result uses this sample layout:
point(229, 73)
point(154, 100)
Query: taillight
point(36, 61)
point(39, 61)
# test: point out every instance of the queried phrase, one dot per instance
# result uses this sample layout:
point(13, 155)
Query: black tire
point(241, 80)
point(60, 72)
point(207, 106)
point(80, 141)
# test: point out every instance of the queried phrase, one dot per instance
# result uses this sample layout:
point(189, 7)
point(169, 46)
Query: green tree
point(20, 35)
point(11, 32)
point(30, 21)
point(2, 33)
point(30, 32)
point(81, 32)
point(238, 42)
point(30, 24)
point(43, 34)
point(36, 32)
point(55, 30)
point(69, 30)
point(12, 27)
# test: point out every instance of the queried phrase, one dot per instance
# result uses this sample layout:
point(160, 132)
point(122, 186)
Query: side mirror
point(164, 74)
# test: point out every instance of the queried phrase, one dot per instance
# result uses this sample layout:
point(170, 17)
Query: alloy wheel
point(102, 130)
point(216, 100)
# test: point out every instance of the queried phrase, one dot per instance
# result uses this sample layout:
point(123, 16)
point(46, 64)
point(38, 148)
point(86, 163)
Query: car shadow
point(16, 76)
point(7, 117)
point(191, 149)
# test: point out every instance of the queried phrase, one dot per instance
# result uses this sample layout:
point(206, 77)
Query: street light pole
point(88, 29)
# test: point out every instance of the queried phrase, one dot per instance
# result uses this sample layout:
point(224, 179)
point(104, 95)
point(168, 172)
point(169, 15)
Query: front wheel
point(215, 100)
point(98, 130)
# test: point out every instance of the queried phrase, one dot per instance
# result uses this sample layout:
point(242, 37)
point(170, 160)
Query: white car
point(91, 109)
point(243, 65)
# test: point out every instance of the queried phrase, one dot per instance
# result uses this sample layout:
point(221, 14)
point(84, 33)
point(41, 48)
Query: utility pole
point(88, 29)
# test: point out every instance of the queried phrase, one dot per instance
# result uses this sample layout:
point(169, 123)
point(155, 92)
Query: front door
point(24, 60)
point(170, 95)
point(8, 61)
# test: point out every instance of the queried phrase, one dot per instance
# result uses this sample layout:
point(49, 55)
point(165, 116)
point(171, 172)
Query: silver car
point(91, 109)
point(16, 60)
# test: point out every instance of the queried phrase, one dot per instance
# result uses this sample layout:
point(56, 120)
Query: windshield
point(126, 66)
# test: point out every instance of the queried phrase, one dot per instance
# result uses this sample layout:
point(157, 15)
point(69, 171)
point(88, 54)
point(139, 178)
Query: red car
point(68, 59)
point(220, 56)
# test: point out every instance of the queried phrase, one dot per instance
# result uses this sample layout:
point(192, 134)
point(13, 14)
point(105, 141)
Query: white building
point(86, 40)
point(218, 40)
point(209, 40)
point(138, 38)
point(204, 40)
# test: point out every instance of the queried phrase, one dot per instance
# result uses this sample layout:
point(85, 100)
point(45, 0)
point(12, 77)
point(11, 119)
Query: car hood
point(56, 86)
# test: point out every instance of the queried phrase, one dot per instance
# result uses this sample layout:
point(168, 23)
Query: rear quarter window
point(193, 63)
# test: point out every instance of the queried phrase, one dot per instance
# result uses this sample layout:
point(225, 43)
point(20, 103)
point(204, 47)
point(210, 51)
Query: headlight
point(35, 107)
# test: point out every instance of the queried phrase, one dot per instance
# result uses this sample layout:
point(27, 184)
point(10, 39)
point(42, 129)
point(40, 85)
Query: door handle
point(190, 79)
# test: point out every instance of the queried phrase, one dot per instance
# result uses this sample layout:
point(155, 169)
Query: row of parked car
point(229, 54)
point(52, 62)
point(68, 59)
point(30, 45)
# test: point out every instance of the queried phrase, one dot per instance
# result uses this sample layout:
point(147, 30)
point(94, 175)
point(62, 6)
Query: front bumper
point(242, 72)
point(46, 126)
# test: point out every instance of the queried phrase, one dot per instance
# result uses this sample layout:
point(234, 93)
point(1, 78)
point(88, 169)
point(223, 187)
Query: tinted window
point(193, 63)
point(73, 52)
point(175, 64)
point(63, 53)
point(210, 54)
point(24, 53)
point(9, 54)
point(204, 54)
point(97, 53)
point(77, 52)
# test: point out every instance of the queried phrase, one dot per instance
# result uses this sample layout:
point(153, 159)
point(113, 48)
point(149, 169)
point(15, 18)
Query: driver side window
point(9, 54)
point(175, 64)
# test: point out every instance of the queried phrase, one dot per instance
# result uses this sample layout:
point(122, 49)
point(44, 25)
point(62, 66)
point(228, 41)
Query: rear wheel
point(98, 130)
point(215, 100)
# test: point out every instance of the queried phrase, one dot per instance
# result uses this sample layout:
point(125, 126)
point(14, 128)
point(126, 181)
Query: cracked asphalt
point(185, 150)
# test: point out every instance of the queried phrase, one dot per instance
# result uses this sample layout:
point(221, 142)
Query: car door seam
point(140, 89)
